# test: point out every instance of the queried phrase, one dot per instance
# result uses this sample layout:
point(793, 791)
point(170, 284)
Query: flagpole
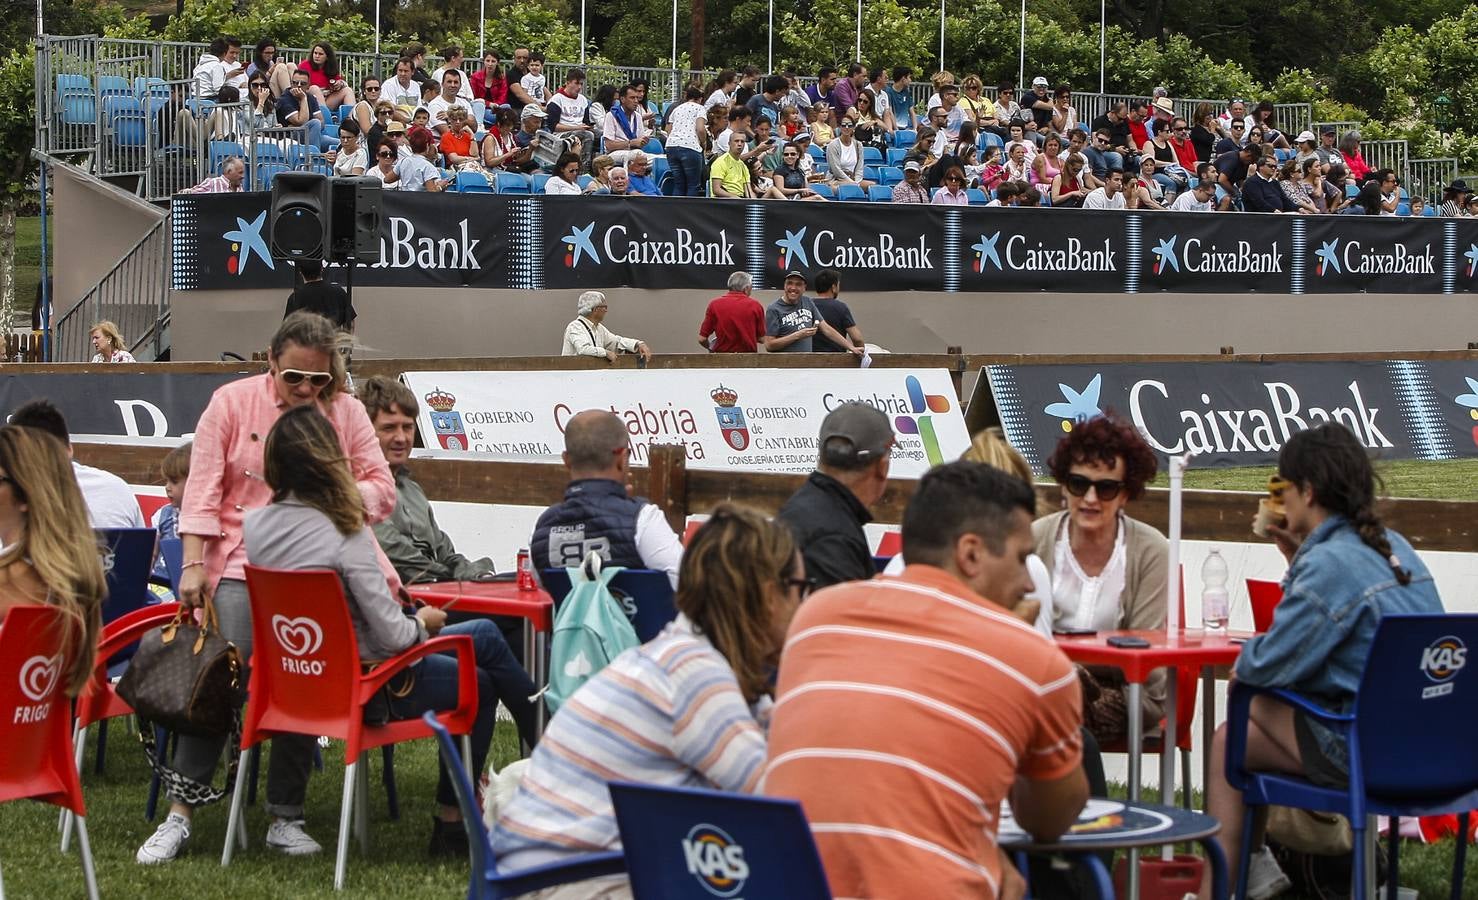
point(1102, 40)
point(582, 32)
point(770, 52)
point(377, 31)
point(941, 35)
point(1021, 63)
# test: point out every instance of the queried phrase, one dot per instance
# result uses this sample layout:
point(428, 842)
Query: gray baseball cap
point(863, 429)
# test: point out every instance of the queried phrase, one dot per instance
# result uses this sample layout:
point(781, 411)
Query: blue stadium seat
point(538, 182)
point(114, 86)
point(873, 173)
point(1282, 155)
point(299, 156)
point(511, 183)
point(890, 175)
point(1403, 208)
point(987, 139)
point(653, 147)
point(268, 152)
point(816, 153)
point(76, 100)
point(584, 181)
point(896, 155)
point(824, 190)
point(850, 192)
point(126, 119)
point(264, 174)
point(905, 137)
point(659, 168)
point(1352, 190)
point(473, 183)
point(219, 150)
point(879, 193)
point(322, 168)
point(872, 156)
point(199, 108)
point(1429, 211)
point(977, 196)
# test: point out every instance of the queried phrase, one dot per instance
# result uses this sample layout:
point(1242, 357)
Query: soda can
point(526, 571)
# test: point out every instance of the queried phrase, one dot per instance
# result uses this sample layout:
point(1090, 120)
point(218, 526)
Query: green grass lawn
point(1447, 480)
point(28, 259)
point(397, 865)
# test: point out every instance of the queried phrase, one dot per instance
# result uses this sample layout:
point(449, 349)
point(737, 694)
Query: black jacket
point(826, 519)
point(1261, 195)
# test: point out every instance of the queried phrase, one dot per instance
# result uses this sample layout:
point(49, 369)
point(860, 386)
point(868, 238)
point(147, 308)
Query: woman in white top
point(1108, 570)
point(686, 137)
point(349, 158)
point(844, 157)
point(109, 344)
point(384, 167)
point(721, 90)
point(566, 176)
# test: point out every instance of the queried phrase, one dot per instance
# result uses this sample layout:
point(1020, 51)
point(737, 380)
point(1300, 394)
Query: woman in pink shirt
point(225, 482)
point(952, 189)
point(323, 74)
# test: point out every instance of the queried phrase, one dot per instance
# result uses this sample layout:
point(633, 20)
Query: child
point(1418, 207)
point(821, 130)
point(791, 122)
point(992, 173)
point(422, 117)
point(533, 83)
point(175, 468)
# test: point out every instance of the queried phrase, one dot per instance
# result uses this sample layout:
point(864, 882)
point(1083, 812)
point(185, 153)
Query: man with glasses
point(318, 296)
point(598, 513)
point(298, 108)
point(639, 168)
point(1261, 191)
point(587, 335)
point(1100, 157)
point(1180, 140)
point(1236, 137)
point(827, 512)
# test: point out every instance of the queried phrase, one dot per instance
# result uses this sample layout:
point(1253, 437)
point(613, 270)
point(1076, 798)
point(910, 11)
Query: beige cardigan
point(1142, 605)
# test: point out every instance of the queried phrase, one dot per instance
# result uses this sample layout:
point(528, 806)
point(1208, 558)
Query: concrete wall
point(466, 322)
point(96, 224)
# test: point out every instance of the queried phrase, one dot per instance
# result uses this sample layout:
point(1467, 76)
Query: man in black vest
point(827, 513)
point(597, 513)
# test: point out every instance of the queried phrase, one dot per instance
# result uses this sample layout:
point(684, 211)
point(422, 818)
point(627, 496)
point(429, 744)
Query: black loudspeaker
point(300, 215)
point(356, 220)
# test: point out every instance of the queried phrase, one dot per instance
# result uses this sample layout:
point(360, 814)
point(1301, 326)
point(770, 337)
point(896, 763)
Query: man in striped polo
point(909, 707)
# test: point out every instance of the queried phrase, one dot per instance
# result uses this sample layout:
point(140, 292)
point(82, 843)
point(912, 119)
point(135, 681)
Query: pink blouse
point(226, 468)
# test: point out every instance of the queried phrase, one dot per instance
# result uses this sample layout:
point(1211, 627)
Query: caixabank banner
point(221, 242)
point(751, 420)
point(1239, 413)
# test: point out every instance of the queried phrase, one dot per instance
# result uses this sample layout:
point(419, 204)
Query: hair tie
point(1395, 563)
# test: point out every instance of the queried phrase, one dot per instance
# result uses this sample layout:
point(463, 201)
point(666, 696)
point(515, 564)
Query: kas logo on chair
point(715, 860)
point(300, 637)
point(1440, 663)
point(38, 678)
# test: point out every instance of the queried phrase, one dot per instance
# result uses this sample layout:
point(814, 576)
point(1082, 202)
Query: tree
point(17, 137)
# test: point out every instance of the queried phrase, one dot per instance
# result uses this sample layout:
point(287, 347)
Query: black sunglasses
point(1106, 488)
point(806, 585)
point(385, 155)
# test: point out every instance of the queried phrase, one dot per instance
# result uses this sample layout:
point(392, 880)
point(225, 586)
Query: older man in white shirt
point(586, 336)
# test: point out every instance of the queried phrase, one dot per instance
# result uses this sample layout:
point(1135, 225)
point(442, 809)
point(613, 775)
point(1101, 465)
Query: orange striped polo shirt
point(907, 706)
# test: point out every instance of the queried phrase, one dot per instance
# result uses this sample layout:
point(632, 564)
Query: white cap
point(1039, 81)
point(1305, 136)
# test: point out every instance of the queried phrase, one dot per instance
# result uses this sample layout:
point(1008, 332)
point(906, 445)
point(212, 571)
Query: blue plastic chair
point(660, 167)
point(539, 180)
point(850, 192)
point(473, 183)
point(873, 174)
point(127, 562)
point(645, 596)
point(824, 190)
point(880, 193)
point(989, 139)
point(890, 175)
point(817, 153)
point(872, 156)
point(126, 118)
point(266, 172)
point(653, 147)
point(486, 883)
point(896, 155)
point(511, 183)
point(904, 138)
point(584, 181)
point(114, 86)
point(1415, 697)
point(695, 844)
point(976, 196)
point(271, 152)
point(219, 150)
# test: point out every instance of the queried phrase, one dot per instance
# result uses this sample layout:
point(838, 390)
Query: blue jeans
point(433, 686)
point(687, 171)
point(1100, 161)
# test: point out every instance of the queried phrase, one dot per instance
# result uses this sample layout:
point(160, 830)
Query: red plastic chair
point(1265, 597)
point(306, 679)
point(891, 544)
point(36, 760)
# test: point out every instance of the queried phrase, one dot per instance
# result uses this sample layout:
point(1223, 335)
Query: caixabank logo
point(1196, 256)
point(247, 241)
point(1023, 253)
point(1352, 257)
point(831, 250)
point(1469, 401)
point(1471, 255)
point(715, 860)
point(680, 247)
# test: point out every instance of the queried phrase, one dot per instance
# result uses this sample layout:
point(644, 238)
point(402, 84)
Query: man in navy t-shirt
point(834, 312)
point(792, 321)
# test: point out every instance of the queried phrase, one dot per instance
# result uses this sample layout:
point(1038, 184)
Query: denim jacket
point(1334, 595)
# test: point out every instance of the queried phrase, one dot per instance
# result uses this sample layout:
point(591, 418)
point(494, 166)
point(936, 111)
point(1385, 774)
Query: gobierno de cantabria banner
point(220, 242)
point(748, 420)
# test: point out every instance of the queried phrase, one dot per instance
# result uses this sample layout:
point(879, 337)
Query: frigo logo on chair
point(1441, 661)
point(38, 678)
point(715, 860)
point(300, 637)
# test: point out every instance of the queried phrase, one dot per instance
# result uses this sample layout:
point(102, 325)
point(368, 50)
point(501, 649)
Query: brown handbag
point(186, 677)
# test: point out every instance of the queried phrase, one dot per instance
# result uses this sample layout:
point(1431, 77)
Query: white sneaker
point(1264, 877)
point(288, 836)
point(166, 841)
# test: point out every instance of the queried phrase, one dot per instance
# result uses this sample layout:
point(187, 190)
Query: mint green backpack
point(590, 630)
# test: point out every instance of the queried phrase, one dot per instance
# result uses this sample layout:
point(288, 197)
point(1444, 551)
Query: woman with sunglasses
point(364, 109)
point(740, 583)
point(952, 188)
point(305, 368)
point(384, 167)
point(1108, 570)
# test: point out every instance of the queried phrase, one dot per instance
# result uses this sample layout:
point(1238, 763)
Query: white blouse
point(1082, 602)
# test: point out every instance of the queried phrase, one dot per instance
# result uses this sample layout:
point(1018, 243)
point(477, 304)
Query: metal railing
point(1387, 155)
point(1427, 177)
point(134, 294)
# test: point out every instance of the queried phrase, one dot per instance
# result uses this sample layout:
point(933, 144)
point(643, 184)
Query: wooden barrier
point(1208, 515)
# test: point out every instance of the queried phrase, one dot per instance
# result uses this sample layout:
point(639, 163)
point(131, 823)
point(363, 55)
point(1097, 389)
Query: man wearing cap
point(1306, 148)
point(1329, 154)
point(827, 512)
point(793, 320)
point(1455, 200)
point(911, 189)
point(587, 336)
point(395, 137)
point(1039, 103)
point(1163, 113)
point(530, 123)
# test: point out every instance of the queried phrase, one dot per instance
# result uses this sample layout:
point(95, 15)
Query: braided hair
point(1330, 460)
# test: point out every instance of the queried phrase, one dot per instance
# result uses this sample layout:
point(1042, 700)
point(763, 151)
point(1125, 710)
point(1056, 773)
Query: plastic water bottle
point(1214, 597)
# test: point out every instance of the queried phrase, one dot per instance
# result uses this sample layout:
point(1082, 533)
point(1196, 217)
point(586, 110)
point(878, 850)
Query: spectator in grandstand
point(992, 169)
point(1047, 164)
point(1236, 111)
point(625, 129)
point(1233, 168)
point(1202, 197)
point(218, 66)
point(1186, 155)
point(603, 102)
point(1007, 194)
point(415, 51)
point(1473, 205)
point(1346, 571)
point(1067, 186)
point(316, 520)
point(951, 188)
point(600, 171)
point(459, 146)
point(1166, 169)
point(403, 90)
point(1162, 114)
point(1118, 147)
point(639, 173)
point(489, 83)
point(720, 91)
point(452, 60)
point(749, 79)
point(417, 171)
point(298, 108)
point(974, 105)
point(1367, 202)
point(385, 159)
point(967, 534)
point(648, 108)
point(835, 312)
point(265, 62)
point(530, 127)
point(328, 84)
point(1390, 188)
point(820, 125)
point(1016, 165)
point(233, 174)
point(765, 103)
point(1108, 570)
point(877, 85)
point(1297, 189)
point(1139, 133)
point(261, 104)
point(1008, 111)
point(844, 94)
point(1077, 145)
point(1261, 191)
point(741, 582)
point(566, 180)
point(500, 149)
point(1144, 192)
point(686, 139)
point(568, 112)
point(1039, 104)
point(900, 98)
point(911, 189)
point(793, 320)
point(1205, 132)
point(349, 158)
point(1329, 154)
point(729, 176)
point(175, 467)
point(844, 159)
point(1326, 199)
point(1349, 149)
point(1455, 200)
point(618, 183)
point(411, 537)
point(789, 177)
point(305, 369)
point(923, 149)
point(733, 322)
point(587, 336)
point(533, 84)
point(110, 501)
point(1417, 208)
point(1110, 195)
point(821, 91)
point(370, 90)
point(872, 129)
point(448, 97)
point(1262, 117)
point(596, 512)
point(518, 98)
point(1064, 117)
point(827, 512)
point(317, 296)
point(108, 344)
point(1336, 182)
point(1306, 147)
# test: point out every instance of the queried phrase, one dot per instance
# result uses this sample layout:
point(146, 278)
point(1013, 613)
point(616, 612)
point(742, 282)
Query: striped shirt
point(667, 713)
point(907, 707)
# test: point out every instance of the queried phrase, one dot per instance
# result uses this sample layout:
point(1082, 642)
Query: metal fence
point(1427, 177)
point(1386, 155)
point(134, 295)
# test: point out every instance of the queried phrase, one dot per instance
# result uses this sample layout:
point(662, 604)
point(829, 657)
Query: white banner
point(757, 420)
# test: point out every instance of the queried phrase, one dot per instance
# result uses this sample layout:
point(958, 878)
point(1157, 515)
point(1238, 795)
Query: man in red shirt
point(735, 322)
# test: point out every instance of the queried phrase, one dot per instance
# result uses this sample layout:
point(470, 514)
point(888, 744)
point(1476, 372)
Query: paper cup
point(1266, 515)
